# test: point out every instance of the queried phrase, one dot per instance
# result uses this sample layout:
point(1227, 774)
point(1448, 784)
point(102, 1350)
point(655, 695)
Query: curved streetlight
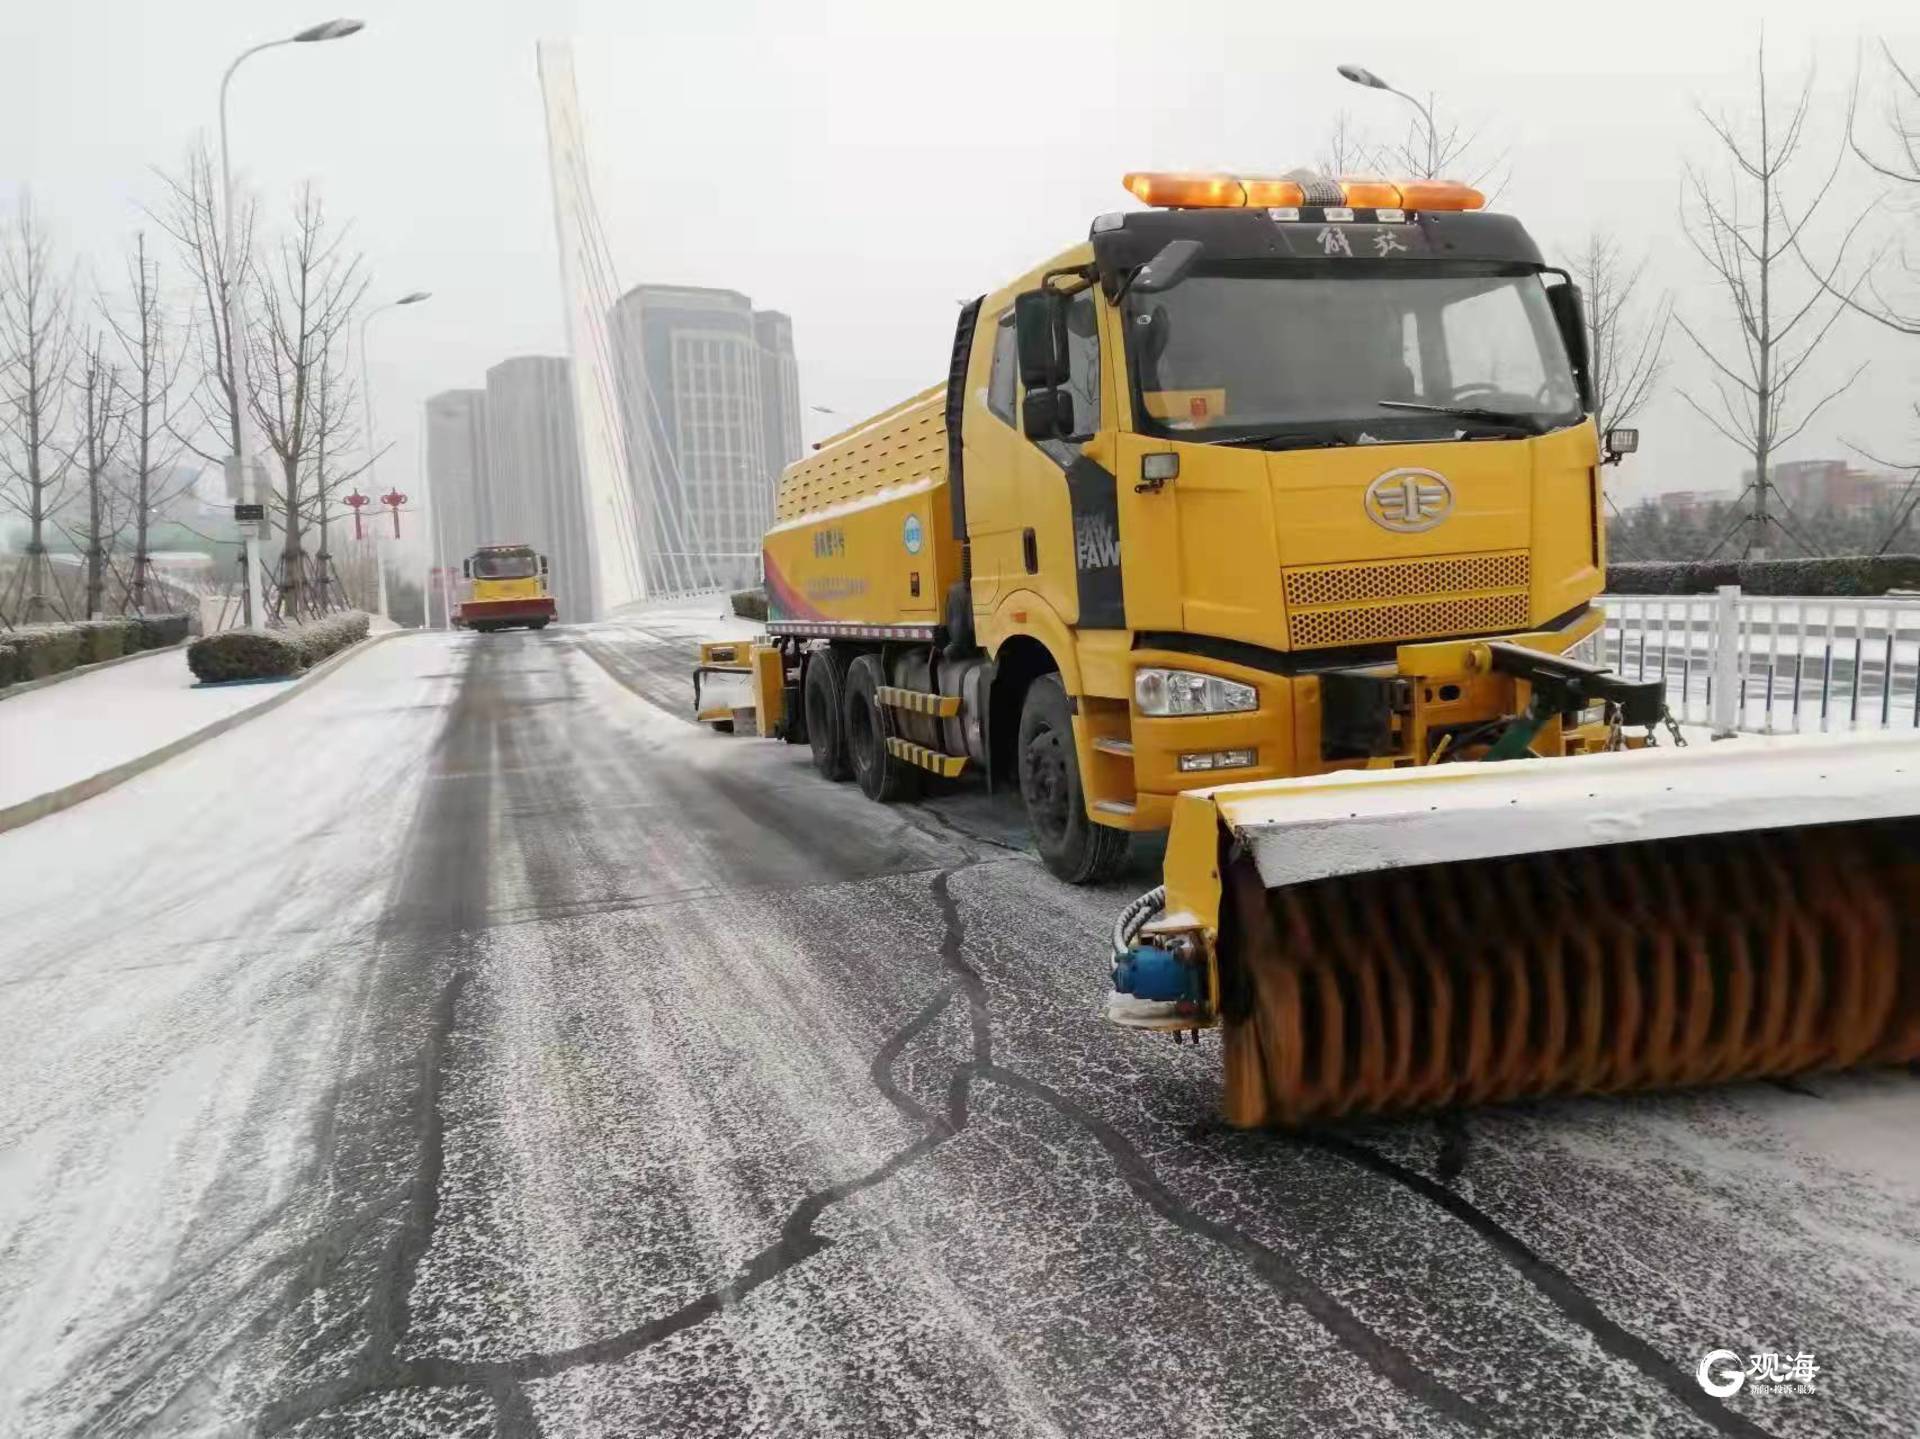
point(1360, 75)
point(412, 297)
point(230, 283)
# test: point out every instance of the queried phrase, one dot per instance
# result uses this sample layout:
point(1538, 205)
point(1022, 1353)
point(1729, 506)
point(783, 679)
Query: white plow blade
point(1360, 820)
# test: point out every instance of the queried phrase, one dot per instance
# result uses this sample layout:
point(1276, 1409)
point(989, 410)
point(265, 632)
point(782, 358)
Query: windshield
point(512, 565)
point(1243, 355)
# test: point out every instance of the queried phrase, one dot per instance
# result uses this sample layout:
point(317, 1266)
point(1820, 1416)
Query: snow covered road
point(473, 1046)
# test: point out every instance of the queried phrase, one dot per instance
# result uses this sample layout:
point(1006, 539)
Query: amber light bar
point(1177, 190)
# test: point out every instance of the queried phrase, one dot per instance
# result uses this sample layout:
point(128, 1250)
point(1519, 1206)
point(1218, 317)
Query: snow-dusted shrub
point(244, 655)
point(331, 635)
point(48, 649)
point(273, 654)
point(9, 665)
point(107, 639)
point(1838, 575)
point(159, 631)
point(750, 604)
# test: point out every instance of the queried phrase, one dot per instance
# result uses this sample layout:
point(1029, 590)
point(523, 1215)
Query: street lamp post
point(1360, 75)
point(254, 603)
point(413, 297)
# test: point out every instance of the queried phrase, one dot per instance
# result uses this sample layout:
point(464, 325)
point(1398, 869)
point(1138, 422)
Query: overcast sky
point(864, 166)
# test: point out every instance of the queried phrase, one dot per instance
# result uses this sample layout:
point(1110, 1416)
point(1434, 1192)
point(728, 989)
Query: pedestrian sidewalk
point(68, 732)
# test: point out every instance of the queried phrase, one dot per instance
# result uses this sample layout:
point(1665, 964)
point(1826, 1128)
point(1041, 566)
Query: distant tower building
point(533, 491)
point(779, 390)
point(710, 401)
point(457, 473)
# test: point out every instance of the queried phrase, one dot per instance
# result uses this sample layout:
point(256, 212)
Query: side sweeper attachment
point(1394, 940)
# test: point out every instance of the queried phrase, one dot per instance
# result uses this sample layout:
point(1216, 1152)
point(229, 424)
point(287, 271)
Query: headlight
point(1181, 692)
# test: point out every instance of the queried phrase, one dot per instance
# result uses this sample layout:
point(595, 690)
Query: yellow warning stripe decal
point(939, 706)
point(946, 765)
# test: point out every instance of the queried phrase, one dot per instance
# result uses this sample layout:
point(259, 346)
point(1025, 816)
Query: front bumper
point(514, 611)
point(1286, 732)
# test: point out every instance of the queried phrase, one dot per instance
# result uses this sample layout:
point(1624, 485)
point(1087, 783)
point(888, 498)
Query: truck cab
point(1238, 488)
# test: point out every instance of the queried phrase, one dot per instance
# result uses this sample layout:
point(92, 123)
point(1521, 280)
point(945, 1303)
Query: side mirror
point(1040, 336)
point(1168, 268)
point(1564, 299)
point(466, 568)
point(1046, 414)
point(543, 564)
point(1619, 442)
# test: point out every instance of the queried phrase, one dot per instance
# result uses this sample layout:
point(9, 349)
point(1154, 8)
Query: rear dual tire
point(881, 774)
point(823, 697)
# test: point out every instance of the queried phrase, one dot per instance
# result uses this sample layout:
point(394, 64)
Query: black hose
point(1134, 917)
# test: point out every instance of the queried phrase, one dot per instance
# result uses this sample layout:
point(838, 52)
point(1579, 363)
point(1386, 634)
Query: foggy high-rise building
point(710, 404)
point(533, 492)
point(457, 473)
point(779, 389)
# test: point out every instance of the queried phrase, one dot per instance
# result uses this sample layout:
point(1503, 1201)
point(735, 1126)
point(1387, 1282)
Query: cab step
point(918, 701)
point(948, 766)
point(1113, 806)
point(1108, 744)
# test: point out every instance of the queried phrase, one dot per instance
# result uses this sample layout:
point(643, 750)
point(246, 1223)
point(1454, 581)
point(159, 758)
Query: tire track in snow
point(797, 1242)
point(1555, 1284)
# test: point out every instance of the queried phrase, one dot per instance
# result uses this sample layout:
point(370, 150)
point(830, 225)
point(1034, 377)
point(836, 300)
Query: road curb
point(55, 800)
point(27, 687)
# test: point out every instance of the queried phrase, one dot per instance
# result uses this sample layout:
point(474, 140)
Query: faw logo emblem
point(1409, 500)
point(1095, 545)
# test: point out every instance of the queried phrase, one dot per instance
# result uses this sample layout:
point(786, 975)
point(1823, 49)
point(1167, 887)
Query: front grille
point(1419, 619)
point(1342, 604)
point(1403, 579)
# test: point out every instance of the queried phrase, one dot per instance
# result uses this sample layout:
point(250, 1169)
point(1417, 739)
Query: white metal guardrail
point(1773, 665)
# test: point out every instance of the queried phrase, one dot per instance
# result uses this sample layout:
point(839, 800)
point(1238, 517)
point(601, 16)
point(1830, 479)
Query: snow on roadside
point(67, 732)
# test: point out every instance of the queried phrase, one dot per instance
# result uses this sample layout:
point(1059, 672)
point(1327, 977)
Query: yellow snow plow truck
point(1272, 514)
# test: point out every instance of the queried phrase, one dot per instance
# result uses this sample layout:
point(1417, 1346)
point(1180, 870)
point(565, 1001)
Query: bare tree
point(102, 428)
point(1899, 162)
point(307, 297)
point(1742, 228)
point(1626, 338)
point(36, 355)
point(1436, 146)
point(1433, 145)
point(1346, 151)
point(191, 216)
point(148, 387)
point(335, 438)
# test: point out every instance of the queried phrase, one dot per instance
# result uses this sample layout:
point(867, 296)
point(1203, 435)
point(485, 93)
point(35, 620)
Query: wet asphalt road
point(473, 1046)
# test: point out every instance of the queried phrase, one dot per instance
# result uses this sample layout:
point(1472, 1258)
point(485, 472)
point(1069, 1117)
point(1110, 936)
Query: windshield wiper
point(1287, 440)
point(1524, 424)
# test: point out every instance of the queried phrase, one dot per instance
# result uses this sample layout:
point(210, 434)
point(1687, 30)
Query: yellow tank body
point(863, 528)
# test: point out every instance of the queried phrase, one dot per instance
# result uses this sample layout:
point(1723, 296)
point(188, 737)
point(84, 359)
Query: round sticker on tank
point(912, 534)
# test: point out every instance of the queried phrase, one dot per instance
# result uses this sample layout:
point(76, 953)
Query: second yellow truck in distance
point(1214, 495)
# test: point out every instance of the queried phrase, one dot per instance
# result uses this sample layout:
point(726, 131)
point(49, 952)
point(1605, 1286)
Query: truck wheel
point(881, 775)
point(1071, 844)
point(822, 693)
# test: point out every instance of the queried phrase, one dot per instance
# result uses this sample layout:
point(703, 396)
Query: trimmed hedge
point(159, 631)
point(272, 654)
point(48, 649)
point(331, 635)
point(34, 652)
point(750, 604)
point(107, 639)
point(1842, 575)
